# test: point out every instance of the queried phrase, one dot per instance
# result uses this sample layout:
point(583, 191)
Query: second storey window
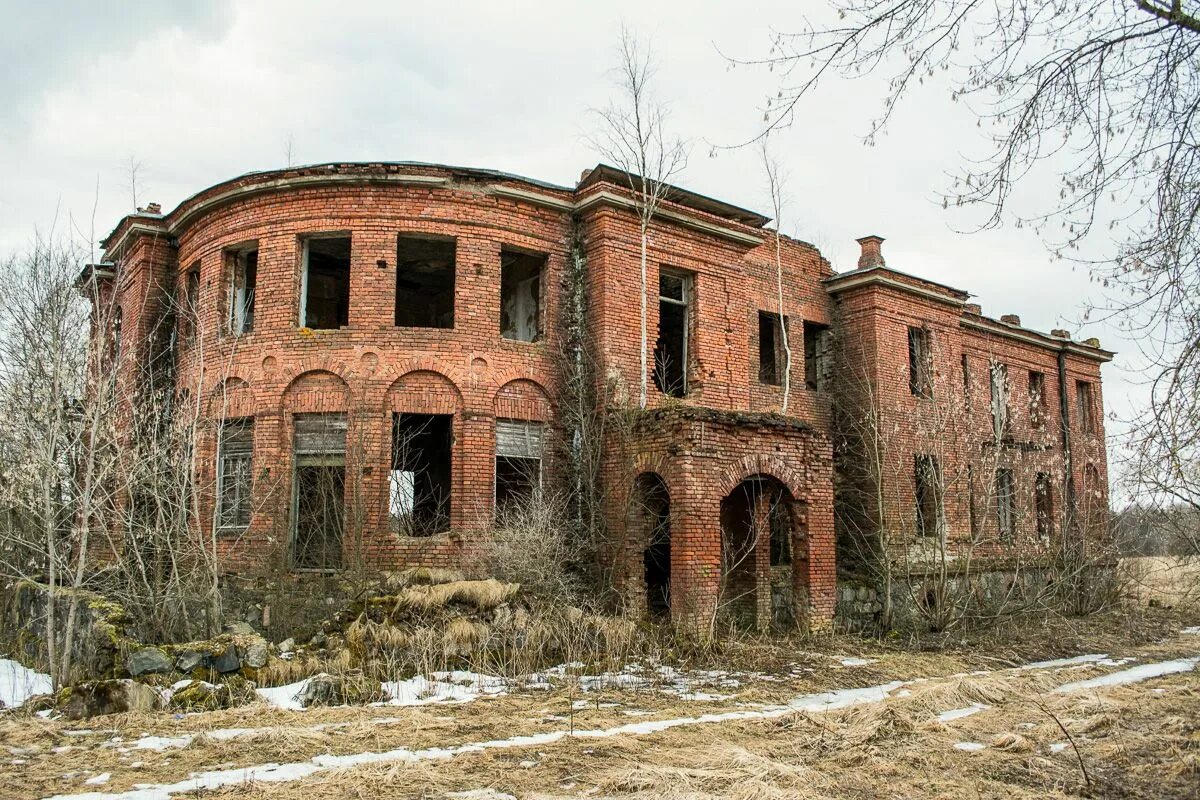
point(425, 270)
point(772, 355)
point(191, 302)
point(325, 283)
point(817, 356)
point(1037, 399)
point(235, 457)
point(674, 329)
point(920, 363)
point(242, 281)
point(1006, 504)
point(1085, 404)
point(521, 296)
point(999, 379)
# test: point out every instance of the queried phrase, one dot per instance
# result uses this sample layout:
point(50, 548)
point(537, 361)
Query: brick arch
point(523, 398)
point(423, 391)
point(386, 378)
point(316, 391)
point(660, 465)
point(231, 397)
point(769, 465)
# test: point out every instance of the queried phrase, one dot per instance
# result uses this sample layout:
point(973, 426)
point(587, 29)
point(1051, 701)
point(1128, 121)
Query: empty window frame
point(772, 354)
point(671, 350)
point(920, 363)
point(521, 295)
point(191, 303)
point(999, 384)
point(518, 463)
point(318, 490)
point(1043, 505)
point(419, 483)
point(928, 484)
point(816, 356)
point(241, 276)
point(780, 521)
point(972, 508)
point(425, 270)
point(325, 283)
point(1006, 504)
point(235, 459)
point(1037, 399)
point(966, 375)
point(115, 344)
point(1085, 406)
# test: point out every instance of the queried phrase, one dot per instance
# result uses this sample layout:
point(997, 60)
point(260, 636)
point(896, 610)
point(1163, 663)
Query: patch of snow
point(480, 794)
point(97, 780)
point(18, 683)
point(855, 661)
point(1090, 658)
point(969, 747)
point(1193, 631)
point(1142, 672)
point(286, 697)
point(959, 713)
point(1058, 747)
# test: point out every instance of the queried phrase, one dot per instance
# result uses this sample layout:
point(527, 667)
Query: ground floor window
point(318, 490)
point(518, 463)
point(419, 484)
point(235, 457)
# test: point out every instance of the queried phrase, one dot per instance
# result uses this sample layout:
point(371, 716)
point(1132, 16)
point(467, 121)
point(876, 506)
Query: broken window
point(521, 296)
point(425, 282)
point(674, 324)
point(816, 356)
point(319, 490)
point(772, 356)
point(235, 458)
point(325, 283)
point(972, 509)
point(1006, 504)
point(999, 373)
point(928, 496)
point(1037, 399)
point(191, 301)
point(419, 487)
point(1085, 406)
point(518, 462)
point(966, 375)
point(242, 276)
point(920, 363)
point(1043, 505)
point(116, 335)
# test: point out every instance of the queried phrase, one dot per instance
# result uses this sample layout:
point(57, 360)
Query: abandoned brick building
point(376, 352)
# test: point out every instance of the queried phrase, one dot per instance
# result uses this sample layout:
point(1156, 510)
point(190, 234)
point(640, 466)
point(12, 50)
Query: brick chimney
point(872, 255)
point(1011, 319)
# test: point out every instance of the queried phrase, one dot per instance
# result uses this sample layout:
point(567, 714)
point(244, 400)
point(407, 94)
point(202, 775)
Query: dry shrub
point(484, 595)
point(1012, 742)
point(536, 545)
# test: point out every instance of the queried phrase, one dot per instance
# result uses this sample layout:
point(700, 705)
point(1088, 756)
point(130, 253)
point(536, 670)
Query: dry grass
point(481, 595)
point(1170, 581)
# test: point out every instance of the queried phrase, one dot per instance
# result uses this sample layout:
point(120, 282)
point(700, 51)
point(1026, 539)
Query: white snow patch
point(855, 661)
point(1194, 630)
point(1136, 674)
point(480, 794)
point(1090, 658)
point(97, 780)
point(969, 747)
point(959, 713)
point(18, 683)
point(1058, 747)
point(286, 697)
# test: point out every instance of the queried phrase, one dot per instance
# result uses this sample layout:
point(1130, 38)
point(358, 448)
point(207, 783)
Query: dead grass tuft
point(482, 595)
point(1012, 743)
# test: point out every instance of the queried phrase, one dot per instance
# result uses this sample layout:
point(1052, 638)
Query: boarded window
point(817, 356)
point(1037, 399)
point(1006, 504)
point(325, 283)
point(674, 331)
point(319, 490)
point(920, 363)
point(235, 459)
point(521, 296)
point(928, 482)
point(999, 383)
point(425, 271)
point(1043, 504)
point(1085, 406)
point(772, 355)
point(242, 276)
point(518, 462)
point(419, 486)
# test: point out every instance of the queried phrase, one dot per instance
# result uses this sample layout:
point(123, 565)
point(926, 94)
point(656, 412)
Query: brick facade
point(725, 442)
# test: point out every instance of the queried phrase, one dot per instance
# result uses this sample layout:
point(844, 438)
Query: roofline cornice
point(615, 200)
point(985, 325)
point(841, 283)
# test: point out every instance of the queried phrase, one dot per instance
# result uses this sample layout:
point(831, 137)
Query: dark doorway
point(757, 531)
point(419, 485)
point(651, 513)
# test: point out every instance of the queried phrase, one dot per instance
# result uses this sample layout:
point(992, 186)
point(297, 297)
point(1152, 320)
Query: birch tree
point(775, 181)
point(633, 137)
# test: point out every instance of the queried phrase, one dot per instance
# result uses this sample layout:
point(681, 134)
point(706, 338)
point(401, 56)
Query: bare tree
point(633, 137)
point(1104, 95)
point(775, 184)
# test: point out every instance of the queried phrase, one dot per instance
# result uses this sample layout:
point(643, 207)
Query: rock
point(108, 697)
point(255, 654)
point(319, 640)
point(190, 660)
point(240, 629)
point(201, 696)
point(331, 690)
point(287, 646)
point(148, 660)
point(227, 661)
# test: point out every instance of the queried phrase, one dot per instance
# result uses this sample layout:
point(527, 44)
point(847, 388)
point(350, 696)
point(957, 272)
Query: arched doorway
point(757, 542)
point(650, 513)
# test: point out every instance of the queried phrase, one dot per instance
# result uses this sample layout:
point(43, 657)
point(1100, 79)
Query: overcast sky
point(198, 92)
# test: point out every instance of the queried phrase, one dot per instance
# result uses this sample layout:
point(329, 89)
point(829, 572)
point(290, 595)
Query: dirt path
point(824, 726)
